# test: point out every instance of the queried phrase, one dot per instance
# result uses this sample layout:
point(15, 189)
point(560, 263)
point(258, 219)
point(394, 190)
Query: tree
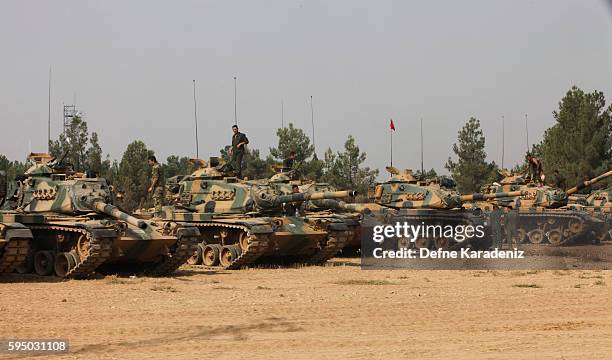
point(11, 168)
point(72, 147)
point(471, 169)
point(427, 174)
point(134, 176)
point(579, 145)
point(344, 169)
point(178, 166)
point(255, 167)
point(292, 139)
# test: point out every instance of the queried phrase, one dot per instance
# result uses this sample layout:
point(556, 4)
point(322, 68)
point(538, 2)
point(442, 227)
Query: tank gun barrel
point(114, 211)
point(341, 205)
point(588, 183)
point(321, 195)
point(483, 197)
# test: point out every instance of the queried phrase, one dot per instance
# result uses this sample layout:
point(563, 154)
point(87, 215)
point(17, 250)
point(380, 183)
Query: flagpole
point(422, 169)
point(391, 131)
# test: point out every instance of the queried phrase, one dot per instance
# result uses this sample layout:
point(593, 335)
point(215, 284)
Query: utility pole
point(313, 128)
point(282, 114)
point(195, 117)
point(422, 167)
point(503, 140)
point(49, 116)
point(235, 101)
point(527, 132)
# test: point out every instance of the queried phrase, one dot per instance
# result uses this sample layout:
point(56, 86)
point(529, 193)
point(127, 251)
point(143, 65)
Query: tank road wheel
point(575, 226)
point(211, 253)
point(403, 243)
point(229, 253)
point(28, 265)
point(43, 262)
point(64, 262)
point(82, 247)
point(244, 240)
point(422, 243)
point(555, 237)
point(536, 236)
point(442, 243)
point(519, 236)
point(196, 258)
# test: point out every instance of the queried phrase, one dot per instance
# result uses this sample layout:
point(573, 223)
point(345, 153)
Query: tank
point(544, 216)
point(403, 198)
point(313, 209)
point(76, 230)
point(247, 222)
point(598, 204)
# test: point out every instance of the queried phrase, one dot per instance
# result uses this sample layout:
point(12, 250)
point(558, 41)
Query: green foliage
point(427, 174)
point(344, 169)
point(579, 145)
point(471, 169)
point(255, 167)
point(11, 168)
point(72, 146)
point(178, 166)
point(133, 179)
point(292, 139)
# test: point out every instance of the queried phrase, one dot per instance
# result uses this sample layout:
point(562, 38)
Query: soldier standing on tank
point(296, 208)
point(535, 169)
point(239, 140)
point(157, 184)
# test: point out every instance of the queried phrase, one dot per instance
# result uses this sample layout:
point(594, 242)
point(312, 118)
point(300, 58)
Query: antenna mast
point(195, 117)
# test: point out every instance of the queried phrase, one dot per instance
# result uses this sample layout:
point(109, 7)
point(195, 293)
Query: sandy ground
point(331, 312)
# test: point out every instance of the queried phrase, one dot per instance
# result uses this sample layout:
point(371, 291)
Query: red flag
point(392, 125)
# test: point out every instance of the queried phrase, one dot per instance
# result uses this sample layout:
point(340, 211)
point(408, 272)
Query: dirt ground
point(331, 312)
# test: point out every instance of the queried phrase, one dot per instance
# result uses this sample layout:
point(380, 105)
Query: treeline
point(576, 147)
point(131, 175)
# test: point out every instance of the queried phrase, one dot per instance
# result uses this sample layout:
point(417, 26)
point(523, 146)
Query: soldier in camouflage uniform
point(157, 184)
point(239, 140)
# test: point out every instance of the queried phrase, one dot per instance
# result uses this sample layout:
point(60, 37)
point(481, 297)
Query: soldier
point(157, 184)
point(294, 209)
point(559, 180)
point(535, 169)
point(239, 140)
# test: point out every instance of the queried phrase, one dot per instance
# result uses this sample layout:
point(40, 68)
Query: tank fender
point(337, 227)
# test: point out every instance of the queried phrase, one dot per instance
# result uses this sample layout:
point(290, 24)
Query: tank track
point(14, 254)
point(100, 250)
point(557, 215)
point(258, 245)
point(183, 250)
point(336, 240)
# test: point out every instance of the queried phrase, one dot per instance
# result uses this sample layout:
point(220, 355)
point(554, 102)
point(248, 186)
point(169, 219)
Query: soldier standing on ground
point(157, 184)
point(239, 140)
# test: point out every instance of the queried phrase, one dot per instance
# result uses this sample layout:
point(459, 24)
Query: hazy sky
point(130, 65)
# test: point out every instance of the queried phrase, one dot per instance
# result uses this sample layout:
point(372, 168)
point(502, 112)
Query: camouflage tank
point(598, 204)
point(76, 229)
point(403, 198)
point(243, 222)
point(543, 214)
point(316, 210)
